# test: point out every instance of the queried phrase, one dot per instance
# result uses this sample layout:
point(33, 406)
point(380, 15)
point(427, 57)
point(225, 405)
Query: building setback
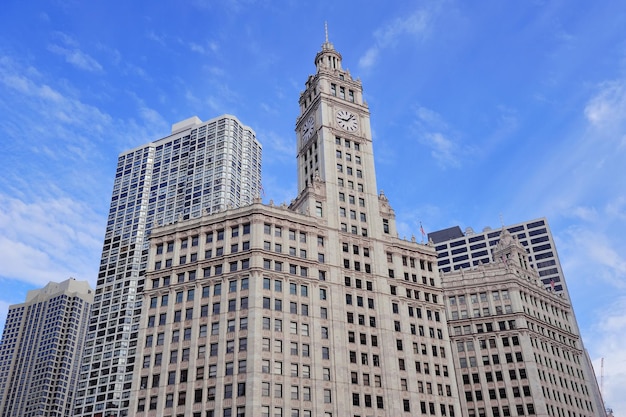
point(464, 251)
point(516, 345)
point(40, 350)
point(312, 309)
point(201, 167)
point(456, 249)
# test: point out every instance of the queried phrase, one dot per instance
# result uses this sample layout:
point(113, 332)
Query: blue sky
point(481, 110)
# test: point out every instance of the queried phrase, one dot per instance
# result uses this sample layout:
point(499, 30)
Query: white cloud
point(442, 148)
point(151, 116)
point(415, 25)
point(431, 118)
point(369, 58)
point(153, 36)
point(73, 55)
point(214, 71)
point(207, 48)
point(276, 148)
point(39, 240)
point(608, 341)
point(53, 104)
point(608, 107)
point(77, 58)
point(433, 132)
point(617, 208)
point(594, 247)
point(584, 213)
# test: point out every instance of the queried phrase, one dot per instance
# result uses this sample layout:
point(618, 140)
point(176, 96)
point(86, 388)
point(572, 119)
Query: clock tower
point(336, 174)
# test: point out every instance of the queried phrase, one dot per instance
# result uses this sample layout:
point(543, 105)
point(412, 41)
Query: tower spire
point(326, 30)
point(327, 57)
point(327, 45)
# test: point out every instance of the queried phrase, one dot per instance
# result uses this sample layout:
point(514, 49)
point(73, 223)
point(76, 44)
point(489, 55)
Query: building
point(312, 309)
point(200, 167)
point(40, 350)
point(456, 249)
point(516, 344)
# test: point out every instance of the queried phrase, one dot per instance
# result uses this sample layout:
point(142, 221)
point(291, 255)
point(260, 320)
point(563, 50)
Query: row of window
point(490, 360)
point(293, 234)
point(428, 297)
point(296, 370)
point(555, 350)
point(353, 214)
point(505, 411)
point(202, 332)
point(347, 156)
point(463, 314)
point(484, 327)
point(278, 248)
point(349, 171)
point(217, 269)
point(342, 93)
point(544, 305)
point(367, 401)
point(230, 347)
point(482, 297)
point(489, 376)
point(229, 391)
point(410, 261)
point(487, 343)
point(494, 394)
point(347, 143)
point(278, 306)
point(566, 398)
point(193, 241)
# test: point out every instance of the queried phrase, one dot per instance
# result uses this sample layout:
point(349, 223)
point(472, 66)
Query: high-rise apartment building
point(516, 345)
point(201, 167)
point(456, 250)
point(40, 351)
point(316, 309)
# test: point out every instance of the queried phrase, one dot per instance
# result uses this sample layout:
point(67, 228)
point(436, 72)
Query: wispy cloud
point(584, 213)
point(69, 49)
point(416, 25)
point(276, 148)
point(38, 239)
point(432, 131)
point(608, 339)
point(77, 58)
point(209, 47)
point(603, 249)
point(608, 107)
point(412, 219)
point(153, 36)
point(50, 123)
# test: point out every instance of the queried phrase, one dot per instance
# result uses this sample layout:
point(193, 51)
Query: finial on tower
point(328, 57)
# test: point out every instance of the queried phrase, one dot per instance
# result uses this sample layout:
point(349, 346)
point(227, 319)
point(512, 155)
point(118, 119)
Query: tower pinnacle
point(327, 46)
point(326, 30)
point(327, 58)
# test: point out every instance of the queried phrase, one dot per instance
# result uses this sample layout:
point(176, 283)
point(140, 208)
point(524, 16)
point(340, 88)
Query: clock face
point(307, 128)
point(347, 120)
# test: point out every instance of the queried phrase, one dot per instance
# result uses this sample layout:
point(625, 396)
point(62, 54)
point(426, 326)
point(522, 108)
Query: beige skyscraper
point(311, 309)
point(516, 344)
point(40, 350)
point(200, 167)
